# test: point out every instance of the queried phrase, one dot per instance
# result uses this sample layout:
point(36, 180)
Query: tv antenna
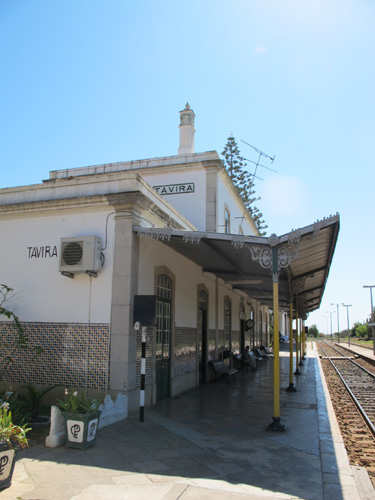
point(257, 163)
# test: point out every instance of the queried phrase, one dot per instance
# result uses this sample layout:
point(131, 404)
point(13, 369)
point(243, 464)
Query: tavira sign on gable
point(175, 188)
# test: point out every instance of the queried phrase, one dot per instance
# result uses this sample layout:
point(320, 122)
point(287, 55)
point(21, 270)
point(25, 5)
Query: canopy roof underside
point(245, 262)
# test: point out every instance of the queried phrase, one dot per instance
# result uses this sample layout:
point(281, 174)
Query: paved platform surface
point(363, 351)
point(211, 443)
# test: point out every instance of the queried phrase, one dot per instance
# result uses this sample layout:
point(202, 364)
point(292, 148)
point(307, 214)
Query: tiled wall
point(75, 355)
point(211, 344)
point(236, 341)
point(185, 350)
point(185, 353)
point(249, 338)
point(150, 337)
point(221, 343)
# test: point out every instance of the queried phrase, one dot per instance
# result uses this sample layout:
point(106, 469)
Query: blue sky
point(86, 82)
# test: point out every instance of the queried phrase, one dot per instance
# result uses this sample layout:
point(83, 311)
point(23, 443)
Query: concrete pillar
point(211, 199)
point(124, 287)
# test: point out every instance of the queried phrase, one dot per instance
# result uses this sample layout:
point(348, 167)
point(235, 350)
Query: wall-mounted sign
point(42, 252)
point(175, 188)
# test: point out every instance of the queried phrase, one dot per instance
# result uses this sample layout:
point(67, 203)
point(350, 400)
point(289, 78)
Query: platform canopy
point(247, 262)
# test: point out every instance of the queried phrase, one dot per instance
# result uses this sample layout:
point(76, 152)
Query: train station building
point(163, 241)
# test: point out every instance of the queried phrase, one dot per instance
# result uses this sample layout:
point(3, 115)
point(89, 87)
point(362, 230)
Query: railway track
point(359, 382)
point(351, 383)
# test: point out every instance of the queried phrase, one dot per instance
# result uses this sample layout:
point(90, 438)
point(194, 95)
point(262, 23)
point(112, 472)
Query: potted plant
point(33, 404)
point(81, 417)
point(12, 438)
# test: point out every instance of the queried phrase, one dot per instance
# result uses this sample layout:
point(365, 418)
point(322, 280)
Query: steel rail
point(349, 359)
point(357, 403)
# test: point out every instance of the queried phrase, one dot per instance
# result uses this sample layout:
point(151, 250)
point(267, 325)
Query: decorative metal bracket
point(238, 241)
point(319, 224)
point(157, 233)
point(192, 238)
point(276, 257)
point(263, 255)
point(298, 285)
point(294, 237)
point(301, 303)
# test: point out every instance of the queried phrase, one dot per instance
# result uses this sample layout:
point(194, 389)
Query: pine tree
point(234, 161)
point(243, 181)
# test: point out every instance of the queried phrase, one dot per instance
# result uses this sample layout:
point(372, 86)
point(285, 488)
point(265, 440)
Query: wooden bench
point(222, 369)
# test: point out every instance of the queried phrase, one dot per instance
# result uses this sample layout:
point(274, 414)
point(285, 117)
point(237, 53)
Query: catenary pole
point(347, 313)
point(338, 323)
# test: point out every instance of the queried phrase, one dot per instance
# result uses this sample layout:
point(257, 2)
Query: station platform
point(363, 351)
point(210, 443)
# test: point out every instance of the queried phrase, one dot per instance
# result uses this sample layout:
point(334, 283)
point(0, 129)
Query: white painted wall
point(188, 276)
point(191, 205)
point(236, 209)
point(43, 294)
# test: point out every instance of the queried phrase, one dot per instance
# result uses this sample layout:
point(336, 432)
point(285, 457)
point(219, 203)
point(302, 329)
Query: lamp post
point(330, 316)
point(326, 317)
point(372, 310)
point(338, 323)
point(347, 312)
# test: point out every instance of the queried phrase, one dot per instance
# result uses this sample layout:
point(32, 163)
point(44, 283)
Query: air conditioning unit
point(80, 255)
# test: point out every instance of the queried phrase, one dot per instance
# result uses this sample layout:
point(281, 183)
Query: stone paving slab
point(209, 443)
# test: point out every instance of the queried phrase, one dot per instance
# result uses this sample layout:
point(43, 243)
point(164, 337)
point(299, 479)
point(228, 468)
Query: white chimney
point(187, 131)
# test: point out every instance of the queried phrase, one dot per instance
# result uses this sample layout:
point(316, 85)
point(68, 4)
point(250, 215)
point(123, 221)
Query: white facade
point(34, 249)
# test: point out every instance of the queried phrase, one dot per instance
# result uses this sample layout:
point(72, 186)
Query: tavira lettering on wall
point(42, 252)
point(175, 188)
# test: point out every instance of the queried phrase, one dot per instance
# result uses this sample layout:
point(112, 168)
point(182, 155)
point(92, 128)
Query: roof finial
point(187, 131)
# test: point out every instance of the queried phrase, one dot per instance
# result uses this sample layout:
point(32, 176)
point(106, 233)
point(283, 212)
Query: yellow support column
point(301, 342)
point(304, 340)
point(276, 352)
point(291, 387)
point(276, 255)
point(297, 372)
point(276, 424)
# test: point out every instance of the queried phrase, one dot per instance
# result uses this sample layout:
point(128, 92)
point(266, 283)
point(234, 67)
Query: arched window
point(202, 300)
point(163, 335)
point(164, 287)
point(202, 335)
